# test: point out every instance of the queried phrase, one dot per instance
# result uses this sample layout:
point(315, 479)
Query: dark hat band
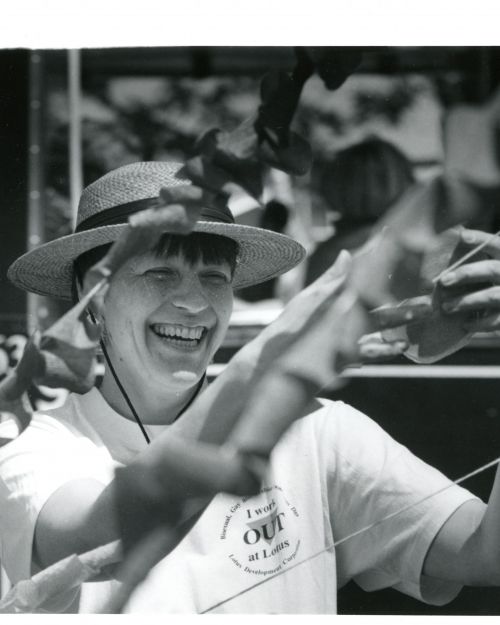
point(119, 214)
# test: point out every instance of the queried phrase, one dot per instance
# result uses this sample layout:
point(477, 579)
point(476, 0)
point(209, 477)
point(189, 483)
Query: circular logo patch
point(262, 532)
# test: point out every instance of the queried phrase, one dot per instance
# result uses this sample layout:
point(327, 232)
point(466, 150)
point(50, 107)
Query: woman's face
point(165, 318)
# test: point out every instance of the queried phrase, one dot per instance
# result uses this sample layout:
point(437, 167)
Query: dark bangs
point(211, 249)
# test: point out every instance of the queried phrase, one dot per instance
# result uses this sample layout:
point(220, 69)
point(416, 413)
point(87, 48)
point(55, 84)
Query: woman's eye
point(217, 276)
point(159, 274)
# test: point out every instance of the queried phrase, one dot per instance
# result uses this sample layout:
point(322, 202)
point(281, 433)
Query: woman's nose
point(190, 296)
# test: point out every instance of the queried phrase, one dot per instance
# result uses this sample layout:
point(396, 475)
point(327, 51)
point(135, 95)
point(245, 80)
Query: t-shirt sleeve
point(47, 455)
point(371, 477)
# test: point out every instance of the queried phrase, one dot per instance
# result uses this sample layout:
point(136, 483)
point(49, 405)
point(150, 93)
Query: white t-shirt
point(334, 472)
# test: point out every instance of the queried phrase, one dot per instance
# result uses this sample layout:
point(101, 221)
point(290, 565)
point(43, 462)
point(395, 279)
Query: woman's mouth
point(177, 335)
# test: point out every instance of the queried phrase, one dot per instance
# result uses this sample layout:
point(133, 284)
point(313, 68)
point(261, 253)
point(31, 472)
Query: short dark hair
point(198, 246)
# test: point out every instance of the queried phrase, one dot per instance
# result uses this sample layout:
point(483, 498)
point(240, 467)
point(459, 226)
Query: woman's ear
point(94, 315)
point(94, 311)
point(90, 315)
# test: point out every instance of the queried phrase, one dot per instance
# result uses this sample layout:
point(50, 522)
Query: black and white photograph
point(249, 320)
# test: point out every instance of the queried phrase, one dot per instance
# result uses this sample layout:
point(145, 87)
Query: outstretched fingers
point(488, 323)
point(481, 279)
point(483, 301)
point(482, 271)
point(373, 348)
point(407, 311)
point(490, 243)
point(328, 284)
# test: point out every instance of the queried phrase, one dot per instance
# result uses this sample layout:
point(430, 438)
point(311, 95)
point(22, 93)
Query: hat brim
point(48, 269)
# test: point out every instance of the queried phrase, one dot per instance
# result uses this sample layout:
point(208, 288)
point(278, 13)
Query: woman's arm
point(467, 548)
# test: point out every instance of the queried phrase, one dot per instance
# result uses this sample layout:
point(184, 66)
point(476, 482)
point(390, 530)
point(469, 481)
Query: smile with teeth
point(179, 334)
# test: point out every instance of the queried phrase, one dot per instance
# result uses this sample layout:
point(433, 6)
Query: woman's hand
point(474, 287)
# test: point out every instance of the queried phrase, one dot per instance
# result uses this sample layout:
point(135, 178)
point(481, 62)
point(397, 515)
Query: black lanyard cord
point(193, 397)
point(128, 400)
point(122, 390)
point(112, 369)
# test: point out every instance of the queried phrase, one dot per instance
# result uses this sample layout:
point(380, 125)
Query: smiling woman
point(165, 314)
point(186, 282)
point(165, 317)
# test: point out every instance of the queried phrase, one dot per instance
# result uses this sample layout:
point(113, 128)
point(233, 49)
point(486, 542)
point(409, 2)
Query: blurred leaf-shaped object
point(334, 64)
point(13, 398)
point(265, 139)
point(140, 559)
point(280, 93)
point(227, 158)
point(69, 349)
point(278, 145)
point(19, 409)
point(29, 367)
point(311, 363)
point(292, 156)
point(433, 338)
point(385, 270)
point(63, 356)
point(437, 335)
point(48, 590)
point(180, 474)
point(159, 501)
point(175, 212)
point(389, 267)
point(177, 480)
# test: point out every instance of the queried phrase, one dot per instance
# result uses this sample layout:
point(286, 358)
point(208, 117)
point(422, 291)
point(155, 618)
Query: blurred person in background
point(274, 217)
point(359, 185)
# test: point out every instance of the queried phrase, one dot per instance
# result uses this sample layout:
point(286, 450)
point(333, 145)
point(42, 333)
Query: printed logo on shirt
point(262, 532)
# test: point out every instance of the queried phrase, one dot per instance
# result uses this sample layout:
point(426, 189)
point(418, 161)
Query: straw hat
point(102, 216)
